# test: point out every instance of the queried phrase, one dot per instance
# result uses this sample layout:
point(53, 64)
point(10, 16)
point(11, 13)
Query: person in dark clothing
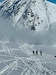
point(33, 52)
point(36, 52)
point(41, 53)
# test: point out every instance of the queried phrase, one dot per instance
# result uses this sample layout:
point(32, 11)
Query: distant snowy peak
point(36, 14)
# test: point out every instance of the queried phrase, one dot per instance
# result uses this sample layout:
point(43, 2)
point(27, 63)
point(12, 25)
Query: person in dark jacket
point(41, 53)
point(36, 52)
point(33, 52)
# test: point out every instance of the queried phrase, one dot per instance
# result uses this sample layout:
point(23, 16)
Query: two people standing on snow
point(37, 53)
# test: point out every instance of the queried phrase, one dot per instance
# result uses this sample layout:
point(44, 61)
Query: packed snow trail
point(8, 68)
point(31, 65)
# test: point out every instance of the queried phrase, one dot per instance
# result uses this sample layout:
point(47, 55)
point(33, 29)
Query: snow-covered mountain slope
point(26, 15)
point(36, 14)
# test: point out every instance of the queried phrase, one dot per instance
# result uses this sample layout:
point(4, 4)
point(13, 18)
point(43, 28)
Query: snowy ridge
point(37, 13)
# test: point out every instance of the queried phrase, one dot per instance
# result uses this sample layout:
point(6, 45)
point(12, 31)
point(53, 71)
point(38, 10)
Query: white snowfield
point(22, 61)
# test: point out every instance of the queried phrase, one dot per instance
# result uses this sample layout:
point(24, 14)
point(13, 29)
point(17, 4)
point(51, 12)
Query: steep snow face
point(36, 14)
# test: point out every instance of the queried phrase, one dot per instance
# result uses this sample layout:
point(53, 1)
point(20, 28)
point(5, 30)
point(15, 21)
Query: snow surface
point(26, 63)
point(18, 40)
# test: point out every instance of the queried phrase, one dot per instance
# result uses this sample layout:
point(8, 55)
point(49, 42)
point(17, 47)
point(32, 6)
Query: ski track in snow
point(30, 65)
